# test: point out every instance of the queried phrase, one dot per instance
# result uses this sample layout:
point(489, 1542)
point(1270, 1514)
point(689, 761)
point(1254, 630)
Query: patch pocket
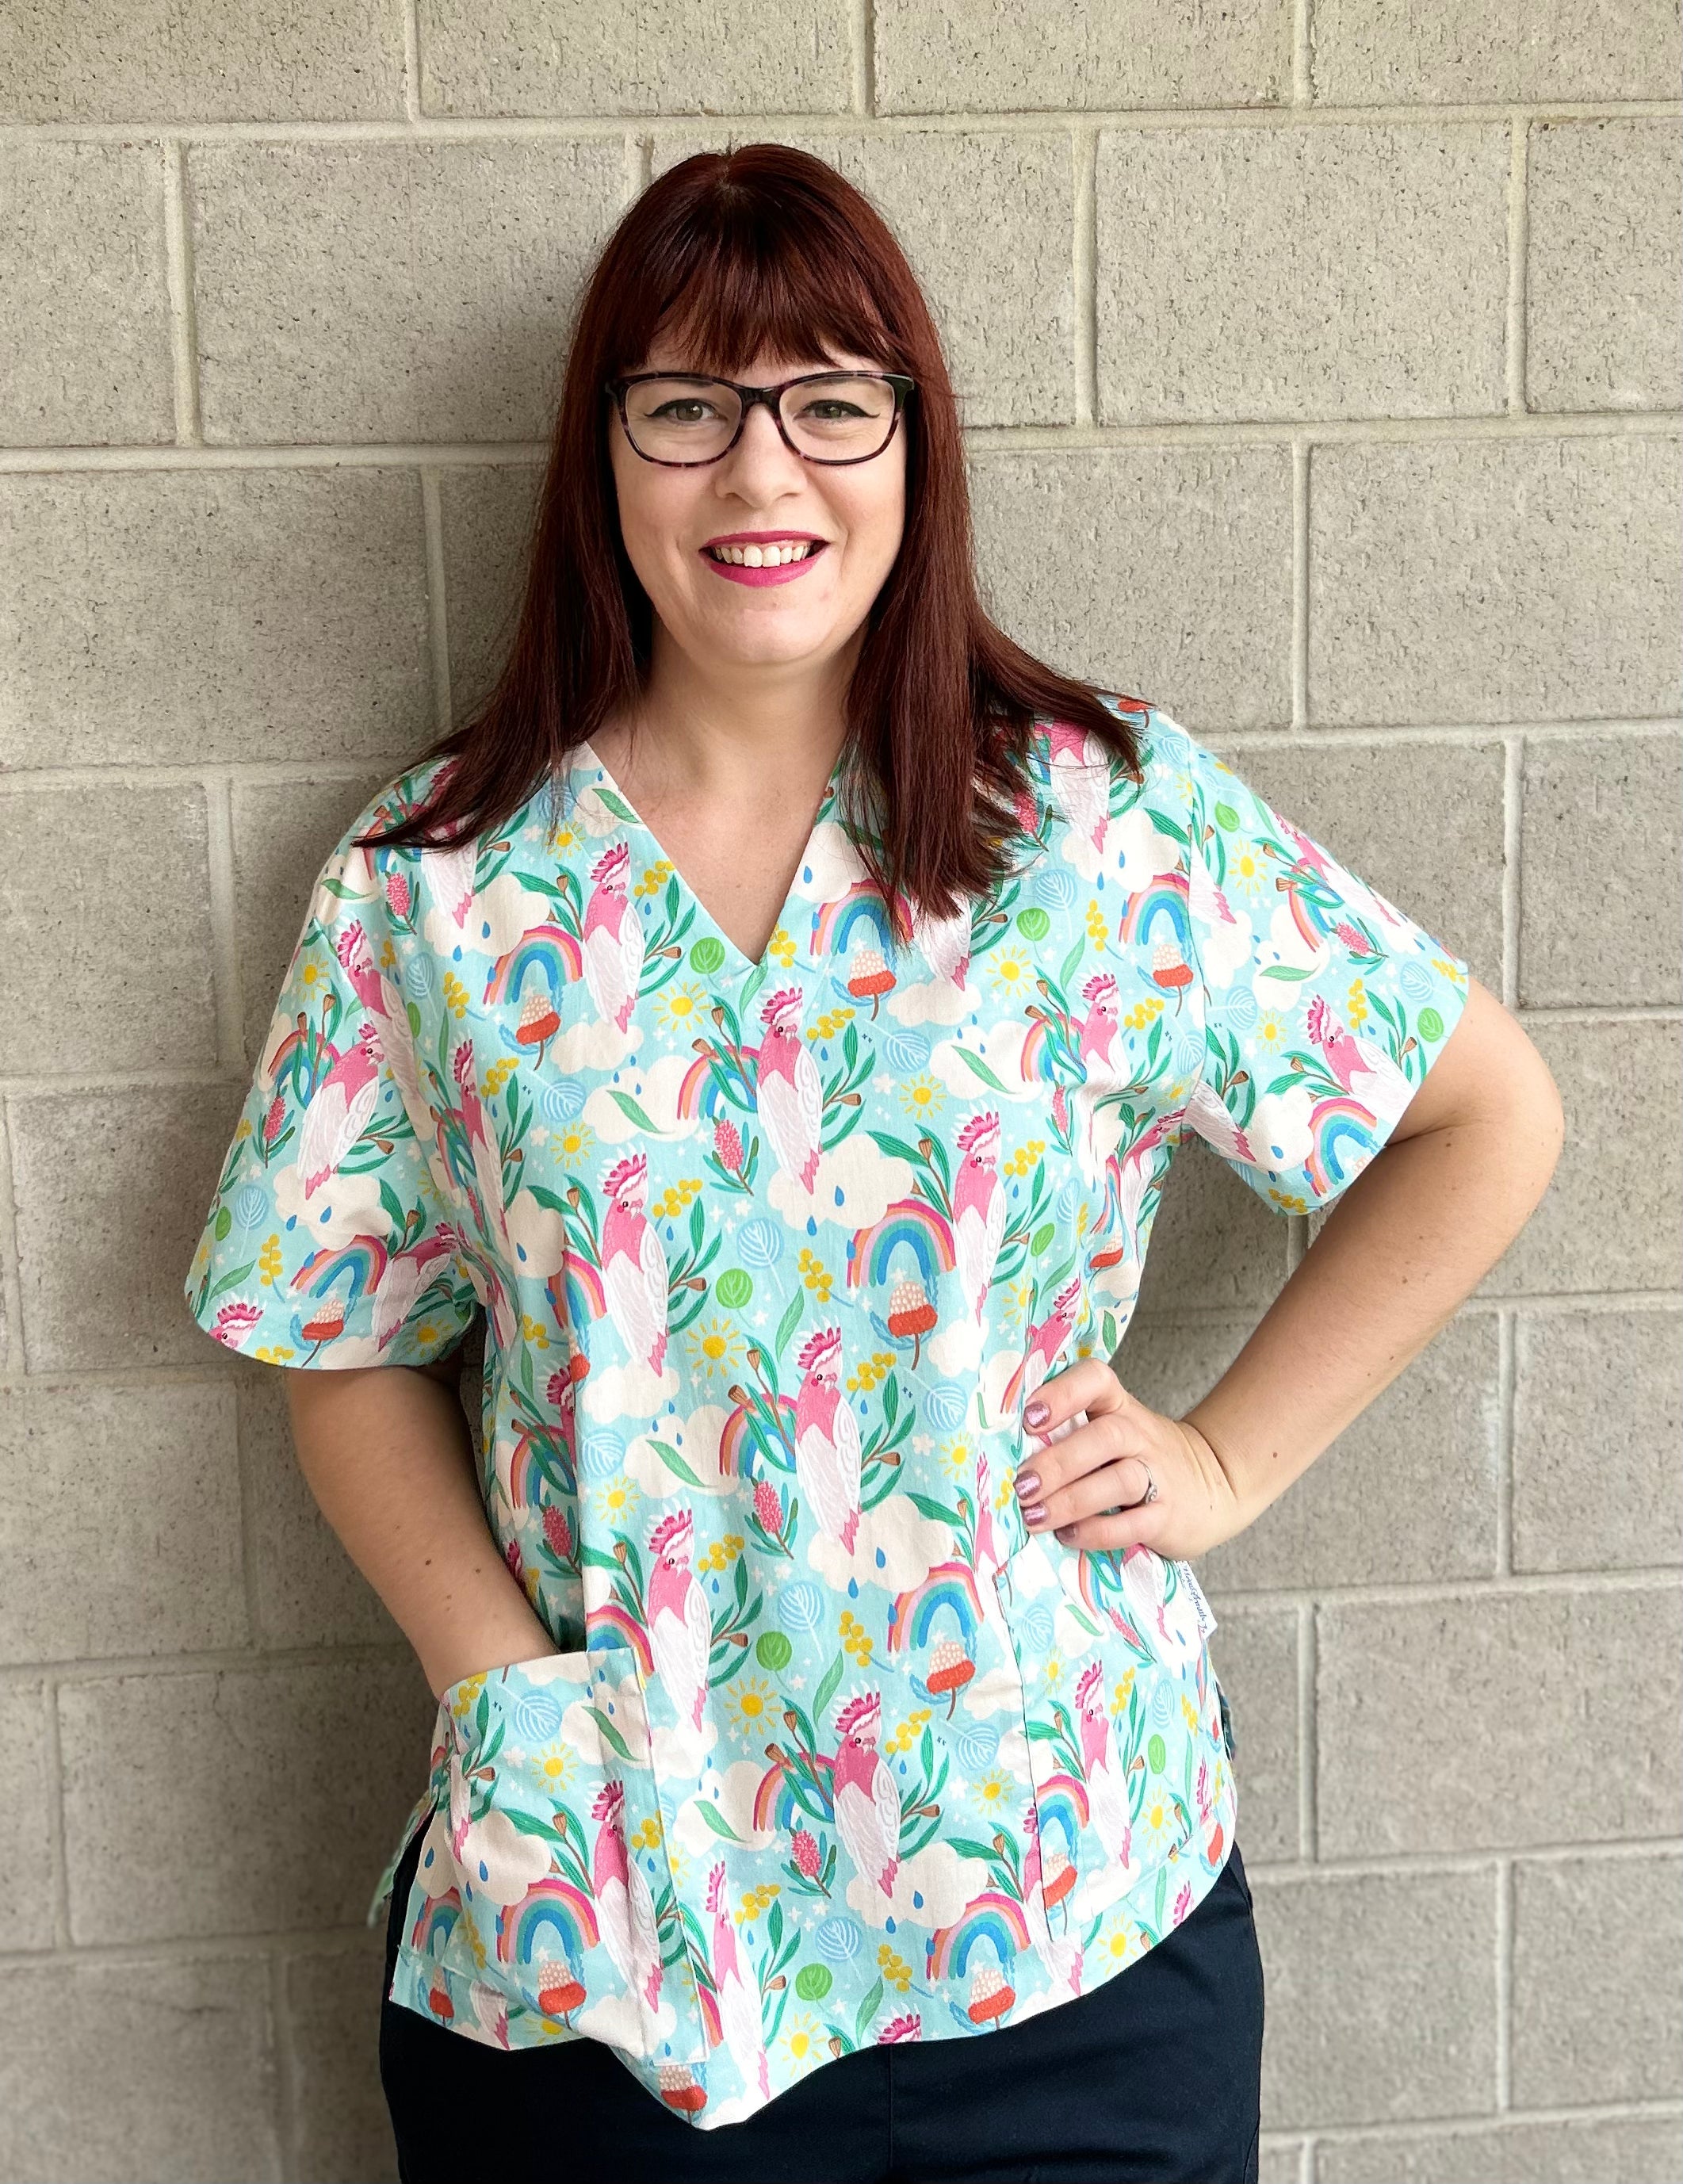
point(560, 1852)
point(1089, 1684)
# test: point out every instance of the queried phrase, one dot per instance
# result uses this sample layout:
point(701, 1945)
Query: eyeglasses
point(683, 418)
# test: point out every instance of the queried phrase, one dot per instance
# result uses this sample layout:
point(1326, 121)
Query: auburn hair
point(730, 252)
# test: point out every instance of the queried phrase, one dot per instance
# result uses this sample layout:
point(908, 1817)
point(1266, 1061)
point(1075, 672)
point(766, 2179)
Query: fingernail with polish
point(1036, 1414)
point(1028, 1483)
point(1034, 1516)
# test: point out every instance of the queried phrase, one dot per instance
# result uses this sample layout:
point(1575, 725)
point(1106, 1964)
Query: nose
point(761, 465)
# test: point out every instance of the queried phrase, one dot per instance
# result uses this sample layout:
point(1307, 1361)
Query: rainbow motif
point(623, 1629)
point(438, 1919)
point(833, 923)
point(365, 1257)
point(925, 1234)
point(1166, 899)
point(775, 1803)
point(552, 1905)
point(950, 1585)
point(1062, 1804)
point(575, 1294)
point(990, 1917)
point(1331, 1122)
point(551, 949)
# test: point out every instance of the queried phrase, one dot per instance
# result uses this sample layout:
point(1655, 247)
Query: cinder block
point(1367, 53)
point(1407, 1491)
point(1497, 1721)
point(1494, 580)
point(333, 2007)
point(1604, 254)
point(283, 833)
point(27, 1885)
point(192, 617)
point(987, 223)
point(486, 517)
point(1161, 571)
point(1569, 2150)
point(200, 60)
point(111, 1193)
point(284, 1788)
point(86, 356)
point(307, 1591)
point(1420, 821)
point(1254, 1652)
point(1381, 1998)
point(1278, 273)
point(1605, 805)
point(1610, 1217)
point(1597, 2008)
point(579, 56)
point(95, 977)
point(149, 1563)
point(391, 291)
point(1280, 2161)
point(133, 2069)
point(1598, 1413)
point(966, 56)
point(1214, 1245)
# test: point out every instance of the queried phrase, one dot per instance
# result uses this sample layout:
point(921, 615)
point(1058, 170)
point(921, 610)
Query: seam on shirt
point(1195, 848)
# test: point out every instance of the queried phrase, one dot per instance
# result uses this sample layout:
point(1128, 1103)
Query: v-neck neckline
point(736, 966)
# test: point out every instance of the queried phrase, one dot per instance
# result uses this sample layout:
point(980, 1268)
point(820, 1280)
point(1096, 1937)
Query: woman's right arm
point(387, 1453)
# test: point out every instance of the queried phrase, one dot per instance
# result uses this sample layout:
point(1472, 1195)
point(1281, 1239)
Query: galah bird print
point(1361, 1067)
point(341, 1108)
point(680, 1623)
point(1081, 779)
point(383, 1000)
point(613, 937)
point(1099, 1025)
point(1130, 1169)
point(1061, 1951)
point(1106, 1783)
point(987, 1549)
point(867, 1801)
point(1046, 1346)
point(788, 1090)
point(405, 1277)
point(483, 1148)
point(977, 1210)
point(737, 1985)
point(634, 1277)
point(451, 873)
point(827, 1450)
point(625, 1903)
point(1205, 1114)
point(945, 943)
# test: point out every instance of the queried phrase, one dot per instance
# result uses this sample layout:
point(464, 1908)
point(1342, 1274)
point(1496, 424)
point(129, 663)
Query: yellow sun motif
point(715, 1346)
point(1012, 973)
point(1271, 1030)
point(750, 1703)
point(680, 1008)
point(956, 1458)
point(995, 1794)
point(922, 1096)
point(615, 1501)
point(574, 1143)
point(557, 1765)
point(803, 2041)
point(1248, 874)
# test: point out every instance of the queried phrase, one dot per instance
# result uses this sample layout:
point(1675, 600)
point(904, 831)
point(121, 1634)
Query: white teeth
point(765, 557)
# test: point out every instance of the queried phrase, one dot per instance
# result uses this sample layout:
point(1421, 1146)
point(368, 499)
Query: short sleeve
point(1324, 1005)
point(331, 1241)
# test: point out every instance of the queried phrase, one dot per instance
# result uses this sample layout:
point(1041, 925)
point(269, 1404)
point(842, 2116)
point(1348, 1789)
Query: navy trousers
point(1153, 2078)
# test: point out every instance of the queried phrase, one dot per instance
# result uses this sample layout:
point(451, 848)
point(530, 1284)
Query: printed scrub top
point(831, 1750)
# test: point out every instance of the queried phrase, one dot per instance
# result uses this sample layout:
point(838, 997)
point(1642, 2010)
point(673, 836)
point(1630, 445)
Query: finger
point(1145, 1526)
point(1044, 1470)
point(1110, 1485)
point(1086, 1385)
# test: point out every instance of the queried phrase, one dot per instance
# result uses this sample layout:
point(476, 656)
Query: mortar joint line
point(178, 275)
point(57, 1856)
point(1308, 1735)
point(11, 1280)
point(287, 2119)
point(227, 988)
point(863, 43)
point(1506, 1326)
point(1513, 848)
point(1504, 1985)
point(1519, 243)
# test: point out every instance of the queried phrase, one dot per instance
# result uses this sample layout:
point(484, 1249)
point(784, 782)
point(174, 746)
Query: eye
point(691, 406)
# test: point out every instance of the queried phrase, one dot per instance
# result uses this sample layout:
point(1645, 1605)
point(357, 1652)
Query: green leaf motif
point(1158, 1753)
point(773, 1651)
point(716, 1820)
point(707, 955)
point(1431, 1024)
point(1032, 924)
point(734, 1288)
point(1227, 817)
point(812, 1982)
point(827, 1690)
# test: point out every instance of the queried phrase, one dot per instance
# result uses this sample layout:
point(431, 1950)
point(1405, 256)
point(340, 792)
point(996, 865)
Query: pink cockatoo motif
point(737, 1985)
point(634, 1276)
point(680, 1623)
point(380, 997)
point(1079, 766)
point(1046, 1342)
point(788, 1090)
point(1128, 1173)
point(826, 1448)
point(405, 1279)
point(977, 1210)
point(1107, 1798)
point(613, 937)
point(625, 1903)
point(988, 1554)
point(483, 1146)
point(341, 1108)
point(945, 943)
point(451, 875)
point(1361, 1067)
point(867, 1801)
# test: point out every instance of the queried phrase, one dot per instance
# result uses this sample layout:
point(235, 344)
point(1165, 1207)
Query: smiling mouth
point(784, 563)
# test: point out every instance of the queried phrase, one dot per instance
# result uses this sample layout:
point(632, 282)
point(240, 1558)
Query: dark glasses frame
point(902, 384)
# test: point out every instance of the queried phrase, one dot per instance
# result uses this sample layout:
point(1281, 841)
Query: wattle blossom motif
point(769, 1257)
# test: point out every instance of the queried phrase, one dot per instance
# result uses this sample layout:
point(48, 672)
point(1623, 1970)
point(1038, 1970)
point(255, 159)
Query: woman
point(777, 1009)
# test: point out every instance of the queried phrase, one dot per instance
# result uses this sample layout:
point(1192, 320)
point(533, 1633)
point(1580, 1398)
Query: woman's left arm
point(1408, 1240)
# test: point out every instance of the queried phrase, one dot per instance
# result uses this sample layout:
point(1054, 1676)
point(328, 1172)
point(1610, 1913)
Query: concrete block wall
point(1320, 365)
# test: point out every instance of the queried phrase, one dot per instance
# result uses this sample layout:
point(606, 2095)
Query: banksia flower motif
point(439, 2002)
point(991, 1994)
point(868, 977)
point(910, 1312)
point(325, 1321)
point(951, 1670)
point(397, 894)
point(804, 1849)
point(767, 1507)
point(558, 1991)
point(538, 1022)
point(275, 1120)
point(511, 1557)
point(679, 2090)
point(727, 1146)
point(557, 1531)
point(1169, 967)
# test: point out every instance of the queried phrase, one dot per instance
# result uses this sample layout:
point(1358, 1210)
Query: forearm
point(1406, 1243)
point(388, 1454)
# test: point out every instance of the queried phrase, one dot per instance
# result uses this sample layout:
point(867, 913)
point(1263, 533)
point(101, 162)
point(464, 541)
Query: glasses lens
point(833, 419)
point(841, 419)
point(680, 421)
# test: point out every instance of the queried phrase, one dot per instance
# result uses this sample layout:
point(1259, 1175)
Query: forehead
point(673, 352)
